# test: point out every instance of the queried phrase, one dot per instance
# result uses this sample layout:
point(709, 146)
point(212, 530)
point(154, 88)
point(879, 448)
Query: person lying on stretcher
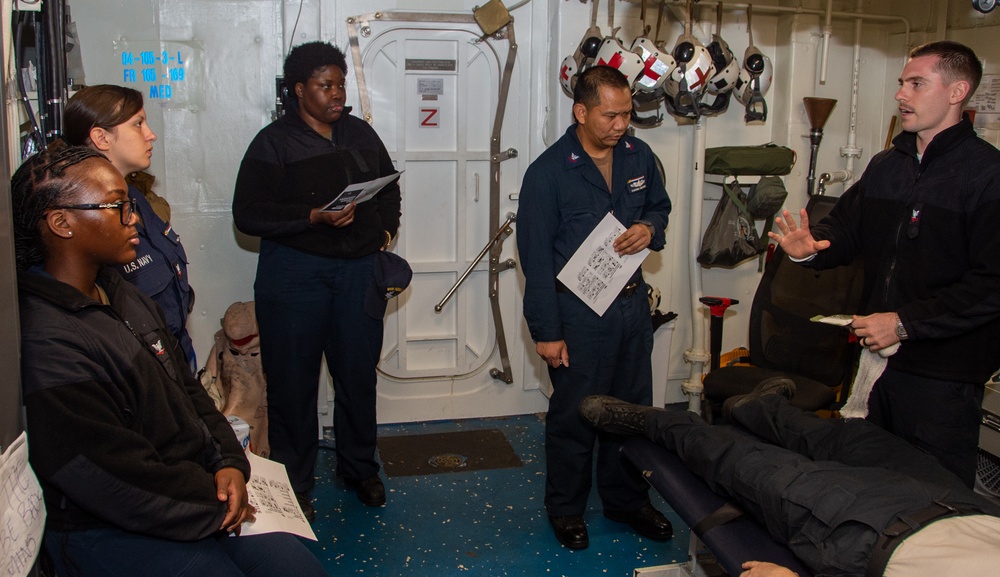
point(845, 496)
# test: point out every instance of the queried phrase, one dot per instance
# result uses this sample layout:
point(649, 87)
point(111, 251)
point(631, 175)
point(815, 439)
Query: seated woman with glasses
point(140, 474)
point(111, 119)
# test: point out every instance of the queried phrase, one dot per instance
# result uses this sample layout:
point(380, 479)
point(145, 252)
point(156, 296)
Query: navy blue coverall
point(563, 198)
point(160, 271)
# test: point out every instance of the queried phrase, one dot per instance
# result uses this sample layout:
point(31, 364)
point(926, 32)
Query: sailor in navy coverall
point(593, 170)
point(160, 271)
point(112, 120)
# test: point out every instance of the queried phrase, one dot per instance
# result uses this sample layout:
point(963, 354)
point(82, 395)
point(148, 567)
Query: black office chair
point(783, 341)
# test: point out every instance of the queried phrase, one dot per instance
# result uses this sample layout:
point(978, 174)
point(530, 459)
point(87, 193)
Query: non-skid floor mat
point(457, 451)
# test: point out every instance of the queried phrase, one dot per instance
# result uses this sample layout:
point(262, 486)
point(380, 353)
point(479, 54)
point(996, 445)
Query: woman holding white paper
point(140, 474)
point(315, 268)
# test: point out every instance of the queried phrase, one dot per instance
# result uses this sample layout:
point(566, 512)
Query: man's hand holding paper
point(605, 262)
point(636, 238)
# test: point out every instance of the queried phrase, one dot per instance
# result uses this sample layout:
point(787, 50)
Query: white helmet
point(755, 65)
point(567, 74)
point(727, 69)
point(694, 67)
point(613, 54)
point(580, 60)
point(657, 65)
point(753, 83)
point(689, 79)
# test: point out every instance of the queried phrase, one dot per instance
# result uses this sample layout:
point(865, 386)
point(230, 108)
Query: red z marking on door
point(429, 117)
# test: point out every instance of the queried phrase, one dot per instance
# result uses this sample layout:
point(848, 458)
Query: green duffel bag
point(764, 159)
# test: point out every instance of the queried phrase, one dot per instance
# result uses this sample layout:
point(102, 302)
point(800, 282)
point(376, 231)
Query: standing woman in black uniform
point(316, 268)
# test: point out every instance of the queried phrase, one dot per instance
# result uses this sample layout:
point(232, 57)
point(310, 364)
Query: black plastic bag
point(731, 237)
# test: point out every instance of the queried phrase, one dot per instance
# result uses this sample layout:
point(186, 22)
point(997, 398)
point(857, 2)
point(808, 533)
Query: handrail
point(501, 233)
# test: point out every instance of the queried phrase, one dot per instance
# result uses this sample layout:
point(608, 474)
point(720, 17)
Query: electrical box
point(492, 16)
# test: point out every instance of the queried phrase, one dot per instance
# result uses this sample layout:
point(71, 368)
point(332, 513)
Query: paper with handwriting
point(22, 511)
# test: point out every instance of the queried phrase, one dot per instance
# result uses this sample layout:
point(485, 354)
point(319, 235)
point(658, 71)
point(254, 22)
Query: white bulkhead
point(431, 85)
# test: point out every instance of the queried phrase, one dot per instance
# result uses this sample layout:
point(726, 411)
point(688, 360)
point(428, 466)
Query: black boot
point(773, 386)
point(646, 521)
point(571, 531)
point(370, 491)
point(614, 415)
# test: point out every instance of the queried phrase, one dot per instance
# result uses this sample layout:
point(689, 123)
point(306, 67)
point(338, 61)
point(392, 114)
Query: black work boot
point(370, 491)
point(645, 520)
point(614, 415)
point(773, 386)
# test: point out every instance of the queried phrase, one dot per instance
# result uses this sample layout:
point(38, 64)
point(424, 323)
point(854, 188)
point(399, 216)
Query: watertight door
point(433, 91)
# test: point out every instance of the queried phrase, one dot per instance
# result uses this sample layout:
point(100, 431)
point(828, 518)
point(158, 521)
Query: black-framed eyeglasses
point(125, 208)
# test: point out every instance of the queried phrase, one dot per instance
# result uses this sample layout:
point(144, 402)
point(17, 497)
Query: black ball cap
point(590, 47)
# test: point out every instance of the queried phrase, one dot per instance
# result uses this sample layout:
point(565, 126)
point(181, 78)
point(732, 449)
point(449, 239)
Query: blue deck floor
point(482, 523)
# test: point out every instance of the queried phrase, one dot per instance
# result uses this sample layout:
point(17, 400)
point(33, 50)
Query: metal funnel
point(818, 110)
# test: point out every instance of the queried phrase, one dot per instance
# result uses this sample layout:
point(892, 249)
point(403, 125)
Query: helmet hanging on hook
point(689, 80)
point(583, 57)
point(613, 54)
point(580, 60)
point(716, 98)
point(753, 84)
point(658, 63)
point(754, 80)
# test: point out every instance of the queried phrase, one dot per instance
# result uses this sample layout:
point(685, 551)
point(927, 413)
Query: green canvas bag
point(764, 159)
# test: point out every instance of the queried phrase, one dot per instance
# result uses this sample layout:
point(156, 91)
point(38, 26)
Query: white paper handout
point(359, 192)
point(836, 320)
point(22, 511)
point(271, 494)
point(595, 272)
